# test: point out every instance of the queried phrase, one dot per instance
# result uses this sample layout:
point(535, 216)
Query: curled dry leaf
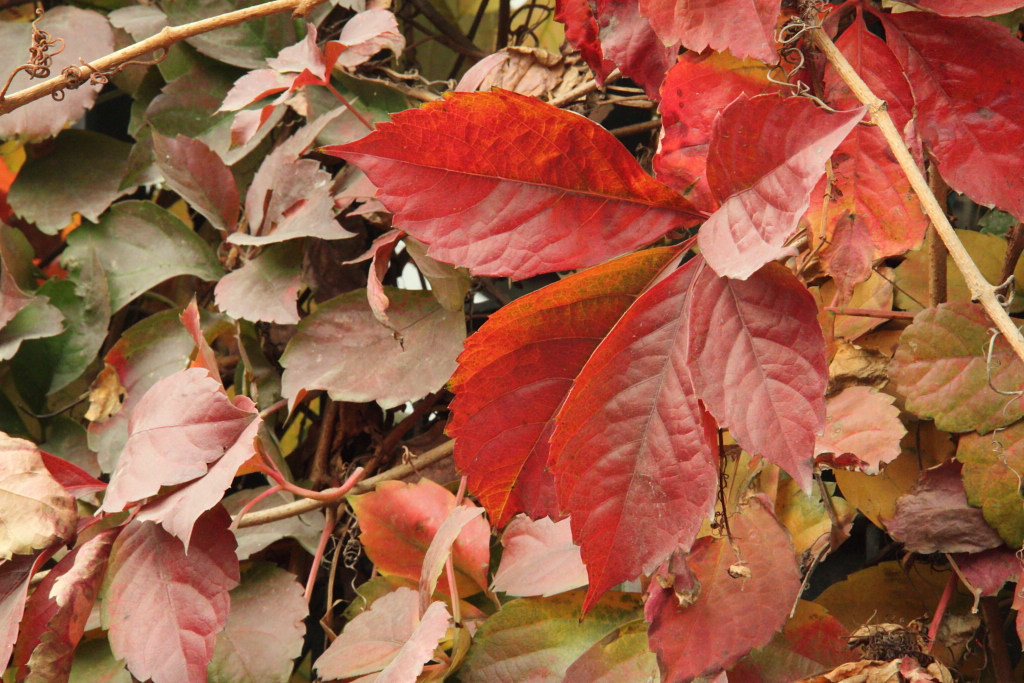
point(528, 71)
point(106, 395)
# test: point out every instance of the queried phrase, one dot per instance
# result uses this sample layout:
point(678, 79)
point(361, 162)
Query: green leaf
point(992, 478)
point(95, 663)
point(140, 245)
point(538, 639)
point(247, 45)
point(82, 173)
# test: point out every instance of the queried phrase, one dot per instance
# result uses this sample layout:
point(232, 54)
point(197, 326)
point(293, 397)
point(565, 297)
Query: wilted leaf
point(622, 655)
point(967, 101)
point(390, 636)
point(440, 549)
point(633, 452)
point(807, 518)
point(516, 371)
point(195, 172)
point(526, 70)
point(106, 395)
point(539, 559)
point(732, 615)
point(266, 288)
point(448, 284)
point(765, 189)
point(992, 464)
point(35, 509)
point(367, 361)
point(246, 44)
point(757, 359)
point(163, 607)
point(863, 423)
point(81, 174)
point(140, 245)
point(943, 368)
point(86, 35)
point(537, 639)
point(264, 631)
point(695, 91)
point(364, 35)
point(305, 528)
point(398, 522)
point(545, 190)
point(379, 255)
point(56, 613)
point(935, 517)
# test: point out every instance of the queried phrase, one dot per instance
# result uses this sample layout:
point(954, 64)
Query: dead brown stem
point(936, 249)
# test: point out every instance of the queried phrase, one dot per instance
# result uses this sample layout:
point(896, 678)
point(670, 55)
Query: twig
point(980, 288)
point(163, 40)
point(936, 249)
point(390, 441)
point(940, 610)
point(456, 39)
point(308, 505)
point(643, 126)
point(1013, 251)
point(318, 473)
point(318, 557)
point(583, 90)
point(869, 312)
point(1002, 668)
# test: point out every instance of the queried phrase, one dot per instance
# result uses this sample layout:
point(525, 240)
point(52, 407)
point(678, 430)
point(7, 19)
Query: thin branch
point(307, 505)
point(979, 287)
point(584, 90)
point(870, 312)
point(455, 37)
point(635, 128)
point(163, 40)
point(936, 249)
point(318, 475)
point(1013, 251)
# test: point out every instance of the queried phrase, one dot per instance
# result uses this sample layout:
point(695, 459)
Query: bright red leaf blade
point(633, 453)
point(745, 28)
point(757, 359)
point(513, 186)
point(764, 188)
point(629, 42)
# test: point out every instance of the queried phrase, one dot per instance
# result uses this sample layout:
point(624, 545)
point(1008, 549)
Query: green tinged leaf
point(247, 44)
point(993, 464)
point(140, 245)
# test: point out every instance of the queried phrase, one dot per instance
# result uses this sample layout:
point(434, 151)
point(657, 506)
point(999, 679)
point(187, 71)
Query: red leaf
point(516, 371)
point(970, 8)
point(204, 357)
point(989, 570)
point(539, 559)
point(15, 575)
point(183, 425)
point(745, 28)
point(286, 68)
point(164, 607)
point(515, 187)
point(440, 549)
point(369, 362)
point(366, 34)
point(73, 478)
point(380, 254)
point(56, 614)
point(732, 615)
point(398, 522)
point(388, 637)
point(628, 41)
point(966, 76)
point(581, 32)
point(935, 517)
point(757, 358)
point(764, 188)
point(197, 173)
point(863, 423)
point(633, 452)
point(695, 91)
point(266, 288)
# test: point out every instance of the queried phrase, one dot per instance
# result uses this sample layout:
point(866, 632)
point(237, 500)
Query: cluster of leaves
point(746, 350)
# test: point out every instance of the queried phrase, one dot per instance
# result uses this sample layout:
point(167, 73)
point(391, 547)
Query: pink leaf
point(389, 633)
point(745, 28)
point(863, 423)
point(15, 575)
point(539, 559)
point(764, 188)
point(380, 254)
point(195, 172)
point(989, 570)
point(731, 615)
point(366, 34)
point(440, 549)
point(204, 357)
point(183, 424)
point(266, 288)
point(633, 452)
point(164, 607)
point(515, 187)
point(757, 358)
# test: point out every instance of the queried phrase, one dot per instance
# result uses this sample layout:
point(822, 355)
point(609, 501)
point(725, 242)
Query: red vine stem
point(979, 287)
point(318, 557)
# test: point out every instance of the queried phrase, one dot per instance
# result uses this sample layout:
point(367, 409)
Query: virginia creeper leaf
point(970, 8)
point(266, 288)
point(23, 314)
point(515, 187)
point(968, 101)
point(364, 35)
point(389, 636)
point(988, 571)
point(757, 359)
point(36, 510)
point(516, 371)
point(695, 91)
point(246, 44)
point(183, 425)
point(732, 615)
point(581, 31)
point(195, 172)
point(367, 361)
point(379, 254)
point(95, 663)
point(163, 607)
point(537, 639)
point(628, 41)
point(15, 575)
point(539, 559)
point(942, 367)
point(991, 466)
point(304, 528)
point(633, 452)
point(264, 631)
point(398, 522)
point(935, 517)
point(764, 189)
point(140, 245)
point(622, 655)
point(440, 549)
point(86, 35)
point(863, 423)
point(744, 27)
point(56, 613)
point(72, 478)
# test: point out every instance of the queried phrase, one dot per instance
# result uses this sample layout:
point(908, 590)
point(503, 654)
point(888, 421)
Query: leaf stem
point(980, 288)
